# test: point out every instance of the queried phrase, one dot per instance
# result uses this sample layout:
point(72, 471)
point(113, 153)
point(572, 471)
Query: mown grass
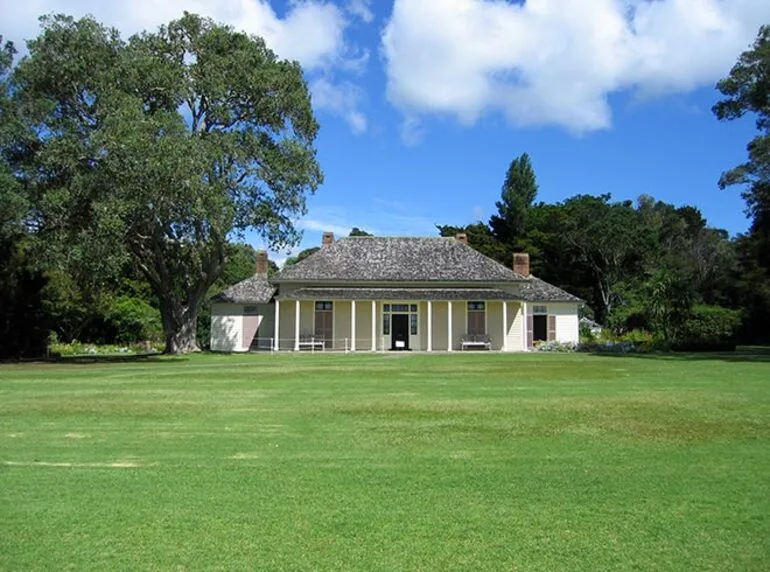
point(418, 462)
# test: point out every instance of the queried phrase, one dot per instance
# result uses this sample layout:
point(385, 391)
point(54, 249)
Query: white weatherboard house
point(381, 294)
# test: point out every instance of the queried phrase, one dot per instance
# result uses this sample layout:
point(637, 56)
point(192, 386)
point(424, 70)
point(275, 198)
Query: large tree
point(518, 193)
point(161, 148)
point(747, 92)
point(610, 241)
point(292, 260)
point(480, 238)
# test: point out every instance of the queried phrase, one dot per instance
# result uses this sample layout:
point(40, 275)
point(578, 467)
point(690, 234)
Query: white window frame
point(390, 313)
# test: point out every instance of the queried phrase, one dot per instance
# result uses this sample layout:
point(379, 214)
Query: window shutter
point(530, 330)
point(551, 328)
point(476, 323)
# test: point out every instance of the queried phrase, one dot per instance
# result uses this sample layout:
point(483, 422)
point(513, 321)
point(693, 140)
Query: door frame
point(405, 319)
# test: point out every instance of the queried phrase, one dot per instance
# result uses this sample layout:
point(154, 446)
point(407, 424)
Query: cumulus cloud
point(362, 9)
point(311, 32)
point(342, 99)
point(555, 62)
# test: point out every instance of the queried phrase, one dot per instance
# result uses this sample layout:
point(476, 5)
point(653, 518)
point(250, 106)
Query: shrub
point(134, 320)
point(708, 328)
point(637, 337)
point(76, 348)
point(561, 347)
point(607, 347)
point(586, 333)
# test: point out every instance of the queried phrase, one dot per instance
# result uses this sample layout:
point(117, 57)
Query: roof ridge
point(410, 258)
point(399, 236)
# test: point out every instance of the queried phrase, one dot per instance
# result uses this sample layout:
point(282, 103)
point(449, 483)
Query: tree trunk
point(179, 326)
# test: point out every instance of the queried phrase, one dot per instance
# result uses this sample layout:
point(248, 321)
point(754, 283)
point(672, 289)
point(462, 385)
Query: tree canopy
point(292, 260)
point(516, 198)
point(746, 91)
point(157, 150)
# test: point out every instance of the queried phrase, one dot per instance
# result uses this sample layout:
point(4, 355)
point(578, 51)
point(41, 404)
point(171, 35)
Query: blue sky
point(423, 103)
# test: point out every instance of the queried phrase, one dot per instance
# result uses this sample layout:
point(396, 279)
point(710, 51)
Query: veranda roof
point(397, 294)
point(254, 290)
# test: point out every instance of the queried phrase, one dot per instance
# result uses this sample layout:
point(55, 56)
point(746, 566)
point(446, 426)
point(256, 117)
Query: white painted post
point(505, 326)
point(277, 324)
point(352, 325)
point(374, 326)
point(430, 326)
point(296, 326)
point(449, 327)
point(524, 347)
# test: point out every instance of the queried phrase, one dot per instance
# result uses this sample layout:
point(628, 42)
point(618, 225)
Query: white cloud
point(556, 61)
point(381, 217)
point(342, 99)
point(362, 9)
point(317, 225)
point(412, 130)
point(311, 32)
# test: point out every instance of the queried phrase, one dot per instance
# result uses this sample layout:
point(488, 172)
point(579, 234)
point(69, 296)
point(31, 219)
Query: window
point(400, 308)
point(477, 316)
point(413, 318)
point(540, 309)
point(413, 308)
point(323, 306)
point(386, 308)
point(386, 324)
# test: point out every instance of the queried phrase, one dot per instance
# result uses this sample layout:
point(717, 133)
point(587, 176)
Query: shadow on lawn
point(133, 358)
point(757, 354)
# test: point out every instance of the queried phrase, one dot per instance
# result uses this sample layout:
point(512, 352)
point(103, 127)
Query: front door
point(399, 332)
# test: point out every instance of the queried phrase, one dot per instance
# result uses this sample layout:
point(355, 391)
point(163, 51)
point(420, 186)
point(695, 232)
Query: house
point(387, 293)
point(588, 324)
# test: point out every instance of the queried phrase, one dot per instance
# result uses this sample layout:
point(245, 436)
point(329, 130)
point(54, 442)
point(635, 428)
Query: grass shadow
point(106, 359)
point(750, 354)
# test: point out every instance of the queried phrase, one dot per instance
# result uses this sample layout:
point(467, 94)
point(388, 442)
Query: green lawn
point(386, 462)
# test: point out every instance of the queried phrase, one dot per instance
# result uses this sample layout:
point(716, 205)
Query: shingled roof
point(536, 290)
point(254, 290)
point(381, 259)
point(396, 294)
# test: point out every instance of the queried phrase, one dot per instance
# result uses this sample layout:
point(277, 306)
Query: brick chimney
point(462, 237)
point(521, 263)
point(262, 262)
point(327, 240)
